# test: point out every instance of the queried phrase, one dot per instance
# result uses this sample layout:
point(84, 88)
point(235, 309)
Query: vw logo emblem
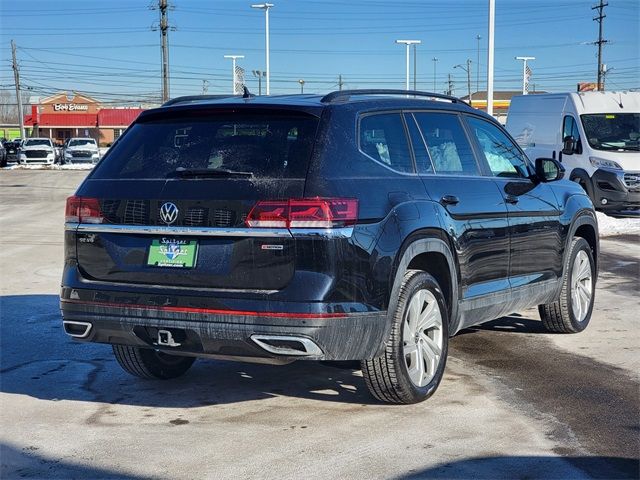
point(168, 213)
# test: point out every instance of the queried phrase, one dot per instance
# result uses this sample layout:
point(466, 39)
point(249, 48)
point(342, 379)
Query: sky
point(111, 50)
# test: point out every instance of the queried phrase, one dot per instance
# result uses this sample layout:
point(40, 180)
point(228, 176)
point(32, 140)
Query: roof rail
point(193, 98)
point(340, 94)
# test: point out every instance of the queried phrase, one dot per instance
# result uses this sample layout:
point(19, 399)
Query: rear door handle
point(449, 200)
point(512, 199)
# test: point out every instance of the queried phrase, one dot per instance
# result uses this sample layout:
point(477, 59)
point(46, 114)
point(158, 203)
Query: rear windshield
point(82, 141)
point(266, 145)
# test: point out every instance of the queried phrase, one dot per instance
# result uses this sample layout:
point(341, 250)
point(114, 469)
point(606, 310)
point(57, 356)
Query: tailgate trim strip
point(173, 230)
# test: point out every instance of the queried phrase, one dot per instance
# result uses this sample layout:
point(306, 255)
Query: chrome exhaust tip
point(288, 345)
point(76, 329)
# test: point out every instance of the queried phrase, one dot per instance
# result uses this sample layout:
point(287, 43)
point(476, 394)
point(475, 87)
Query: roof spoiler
point(346, 94)
point(196, 98)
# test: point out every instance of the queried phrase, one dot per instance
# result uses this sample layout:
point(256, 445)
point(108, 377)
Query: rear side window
point(502, 155)
point(382, 137)
point(447, 143)
point(267, 145)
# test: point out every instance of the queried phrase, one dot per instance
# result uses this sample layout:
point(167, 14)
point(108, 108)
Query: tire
point(571, 313)
point(3, 162)
point(149, 363)
point(394, 376)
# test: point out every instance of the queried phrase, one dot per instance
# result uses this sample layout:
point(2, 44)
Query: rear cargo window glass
point(266, 145)
point(382, 137)
point(447, 143)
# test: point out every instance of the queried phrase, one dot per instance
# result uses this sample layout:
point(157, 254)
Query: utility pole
point(16, 77)
point(205, 86)
point(340, 82)
point(601, 41)
point(435, 63)
point(450, 89)
point(163, 6)
point(415, 62)
point(525, 82)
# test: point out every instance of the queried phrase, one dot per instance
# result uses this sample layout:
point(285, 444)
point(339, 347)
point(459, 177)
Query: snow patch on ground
point(77, 166)
point(609, 226)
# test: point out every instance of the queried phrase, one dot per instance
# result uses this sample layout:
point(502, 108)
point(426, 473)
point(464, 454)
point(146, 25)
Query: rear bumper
point(611, 193)
point(338, 335)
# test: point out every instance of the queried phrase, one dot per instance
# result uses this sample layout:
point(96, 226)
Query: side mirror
point(549, 169)
point(568, 145)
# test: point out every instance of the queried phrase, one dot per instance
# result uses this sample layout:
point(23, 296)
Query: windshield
point(82, 141)
point(37, 141)
point(267, 145)
point(612, 131)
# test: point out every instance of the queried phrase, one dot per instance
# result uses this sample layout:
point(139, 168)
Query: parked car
point(12, 146)
point(77, 150)
point(596, 136)
point(37, 150)
point(363, 225)
point(3, 155)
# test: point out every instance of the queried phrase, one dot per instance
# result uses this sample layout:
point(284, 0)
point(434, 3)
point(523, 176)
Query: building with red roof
point(64, 115)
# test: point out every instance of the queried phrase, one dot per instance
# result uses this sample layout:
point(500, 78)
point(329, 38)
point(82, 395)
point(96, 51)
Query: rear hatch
point(174, 193)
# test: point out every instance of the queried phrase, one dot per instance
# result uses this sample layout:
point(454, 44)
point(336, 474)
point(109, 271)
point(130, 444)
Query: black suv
point(363, 225)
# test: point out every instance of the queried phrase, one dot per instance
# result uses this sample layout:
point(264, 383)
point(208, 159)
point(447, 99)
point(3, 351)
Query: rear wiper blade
point(209, 172)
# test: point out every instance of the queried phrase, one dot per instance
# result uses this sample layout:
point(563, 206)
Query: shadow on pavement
point(26, 463)
point(530, 467)
point(38, 359)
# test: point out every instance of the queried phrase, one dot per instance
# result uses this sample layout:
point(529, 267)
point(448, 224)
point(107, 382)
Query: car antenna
point(246, 92)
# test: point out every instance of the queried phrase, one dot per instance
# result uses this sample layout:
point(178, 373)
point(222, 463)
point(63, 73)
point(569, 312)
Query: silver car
point(37, 150)
point(78, 150)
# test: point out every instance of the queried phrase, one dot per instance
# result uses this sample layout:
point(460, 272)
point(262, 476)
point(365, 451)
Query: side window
point(447, 143)
point(382, 137)
point(423, 161)
point(570, 128)
point(502, 155)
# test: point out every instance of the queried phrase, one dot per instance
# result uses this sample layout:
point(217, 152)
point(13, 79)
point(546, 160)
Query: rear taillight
point(304, 213)
point(83, 210)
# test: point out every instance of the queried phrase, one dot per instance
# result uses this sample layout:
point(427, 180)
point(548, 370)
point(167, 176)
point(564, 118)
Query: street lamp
point(233, 71)
point(407, 43)
point(524, 72)
point(301, 82)
point(259, 74)
point(435, 62)
point(266, 7)
point(468, 70)
point(478, 38)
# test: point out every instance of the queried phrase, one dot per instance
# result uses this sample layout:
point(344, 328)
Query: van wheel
point(149, 363)
point(571, 313)
point(410, 369)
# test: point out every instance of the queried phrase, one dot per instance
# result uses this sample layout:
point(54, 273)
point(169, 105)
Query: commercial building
point(64, 115)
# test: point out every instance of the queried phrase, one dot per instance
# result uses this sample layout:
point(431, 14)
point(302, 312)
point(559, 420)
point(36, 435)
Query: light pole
point(301, 82)
point(435, 63)
point(478, 38)
point(408, 43)
point(259, 74)
point(490, 45)
point(233, 71)
point(524, 72)
point(266, 7)
point(468, 70)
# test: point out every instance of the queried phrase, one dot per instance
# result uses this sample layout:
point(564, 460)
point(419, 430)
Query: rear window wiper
point(209, 172)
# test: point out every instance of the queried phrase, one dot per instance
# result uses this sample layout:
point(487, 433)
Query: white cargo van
point(596, 136)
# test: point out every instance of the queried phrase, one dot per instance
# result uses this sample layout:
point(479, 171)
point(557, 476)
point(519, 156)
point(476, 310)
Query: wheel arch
point(428, 250)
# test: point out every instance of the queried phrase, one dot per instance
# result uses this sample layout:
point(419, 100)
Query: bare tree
point(9, 106)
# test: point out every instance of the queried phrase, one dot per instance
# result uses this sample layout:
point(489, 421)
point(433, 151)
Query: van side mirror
point(549, 169)
point(568, 145)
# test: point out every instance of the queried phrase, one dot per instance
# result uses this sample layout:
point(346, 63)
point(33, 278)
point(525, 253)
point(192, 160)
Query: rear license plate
point(172, 252)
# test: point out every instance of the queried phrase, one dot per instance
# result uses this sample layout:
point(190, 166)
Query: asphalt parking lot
point(515, 402)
